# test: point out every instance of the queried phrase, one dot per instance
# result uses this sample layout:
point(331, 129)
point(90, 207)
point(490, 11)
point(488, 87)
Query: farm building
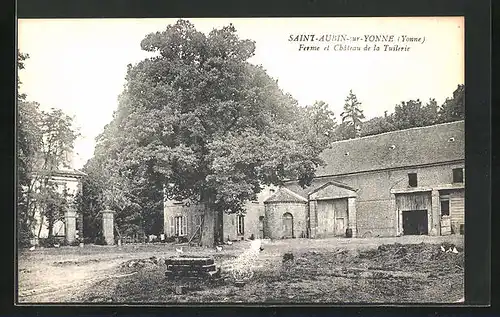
point(70, 227)
point(406, 182)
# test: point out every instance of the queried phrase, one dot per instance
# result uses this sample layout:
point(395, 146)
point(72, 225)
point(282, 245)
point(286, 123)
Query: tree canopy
point(44, 142)
point(352, 116)
point(201, 120)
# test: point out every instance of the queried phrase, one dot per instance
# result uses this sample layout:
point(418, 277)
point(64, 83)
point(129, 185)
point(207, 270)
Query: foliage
point(378, 125)
point(352, 115)
point(412, 114)
point(200, 119)
point(318, 124)
point(453, 108)
point(44, 141)
point(89, 203)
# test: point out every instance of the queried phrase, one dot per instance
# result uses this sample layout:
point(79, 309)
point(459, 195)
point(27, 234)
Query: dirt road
point(98, 273)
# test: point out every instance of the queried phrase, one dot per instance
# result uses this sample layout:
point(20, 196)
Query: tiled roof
point(412, 147)
point(285, 195)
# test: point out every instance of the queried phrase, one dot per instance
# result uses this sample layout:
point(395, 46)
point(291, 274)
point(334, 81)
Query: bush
point(76, 243)
point(100, 240)
point(49, 242)
point(169, 239)
point(24, 240)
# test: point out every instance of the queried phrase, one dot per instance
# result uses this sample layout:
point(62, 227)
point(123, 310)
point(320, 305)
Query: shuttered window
point(172, 226)
point(241, 224)
point(178, 226)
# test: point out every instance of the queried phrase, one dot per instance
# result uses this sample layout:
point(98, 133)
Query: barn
point(406, 182)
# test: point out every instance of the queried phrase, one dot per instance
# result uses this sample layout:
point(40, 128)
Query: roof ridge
point(397, 131)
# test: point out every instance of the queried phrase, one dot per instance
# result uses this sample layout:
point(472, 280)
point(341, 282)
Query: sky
point(79, 65)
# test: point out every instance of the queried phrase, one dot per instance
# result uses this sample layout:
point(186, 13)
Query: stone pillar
point(108, 226)
point(70, 221)
point(395, 211)
point(313, 221)
point(351, 215)
point(435, 224)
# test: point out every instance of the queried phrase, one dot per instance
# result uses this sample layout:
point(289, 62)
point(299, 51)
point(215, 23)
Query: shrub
point(169, 239)
point(100, 240)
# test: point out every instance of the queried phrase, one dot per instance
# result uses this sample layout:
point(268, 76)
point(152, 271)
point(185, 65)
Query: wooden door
point(287, 225)
point(415, 222)
point(340, 226)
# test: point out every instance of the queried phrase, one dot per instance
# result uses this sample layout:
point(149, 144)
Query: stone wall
point(376, 214)
point(273, 227)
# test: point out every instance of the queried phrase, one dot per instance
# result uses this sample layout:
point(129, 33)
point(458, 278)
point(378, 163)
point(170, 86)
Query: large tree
point(318, 124)
point(453, 108)
point(352, 116)
point(201, 120)
point(413, 114)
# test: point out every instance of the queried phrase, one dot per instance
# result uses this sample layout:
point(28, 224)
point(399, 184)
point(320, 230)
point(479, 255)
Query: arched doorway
point(287, 225)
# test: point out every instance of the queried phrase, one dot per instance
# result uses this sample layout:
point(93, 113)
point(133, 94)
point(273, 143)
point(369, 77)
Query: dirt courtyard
point(409, 269)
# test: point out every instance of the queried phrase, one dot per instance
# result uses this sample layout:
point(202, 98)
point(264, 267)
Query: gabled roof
point(334, 183)
point(285, 195)
point(404, 148)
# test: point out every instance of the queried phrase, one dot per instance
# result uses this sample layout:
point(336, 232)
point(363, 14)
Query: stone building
point(71, 226)
point(397, 183)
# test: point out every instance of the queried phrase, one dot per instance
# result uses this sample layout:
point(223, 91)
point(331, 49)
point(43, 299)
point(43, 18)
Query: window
point(241, 224)
point(445, 207)
point(179, 227)
point(412, 179)
point(458, 175)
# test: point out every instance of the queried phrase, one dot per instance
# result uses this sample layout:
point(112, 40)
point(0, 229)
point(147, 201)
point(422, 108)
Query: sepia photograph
point(241, 161)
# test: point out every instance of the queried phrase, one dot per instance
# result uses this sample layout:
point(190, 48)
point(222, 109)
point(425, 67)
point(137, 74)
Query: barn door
point(287, 225)
point(415, 222)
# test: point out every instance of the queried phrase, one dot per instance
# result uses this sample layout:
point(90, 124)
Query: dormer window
point(392, 147)
point(458, 175)
point(346, 153)
point(451, 139)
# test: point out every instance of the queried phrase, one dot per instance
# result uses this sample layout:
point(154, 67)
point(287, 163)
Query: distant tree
point(412, 114)
point(201, 120)
point(352, 115)
point(319, 124)
point(344, 131)
point(431, 112)
point(377, 125)
point(453, 108)
point(27, 145)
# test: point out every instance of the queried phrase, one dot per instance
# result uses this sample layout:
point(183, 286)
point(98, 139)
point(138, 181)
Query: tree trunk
point(212, 231)
point(208, 230)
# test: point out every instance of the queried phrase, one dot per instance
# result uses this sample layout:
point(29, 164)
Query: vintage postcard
point(241, 161)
